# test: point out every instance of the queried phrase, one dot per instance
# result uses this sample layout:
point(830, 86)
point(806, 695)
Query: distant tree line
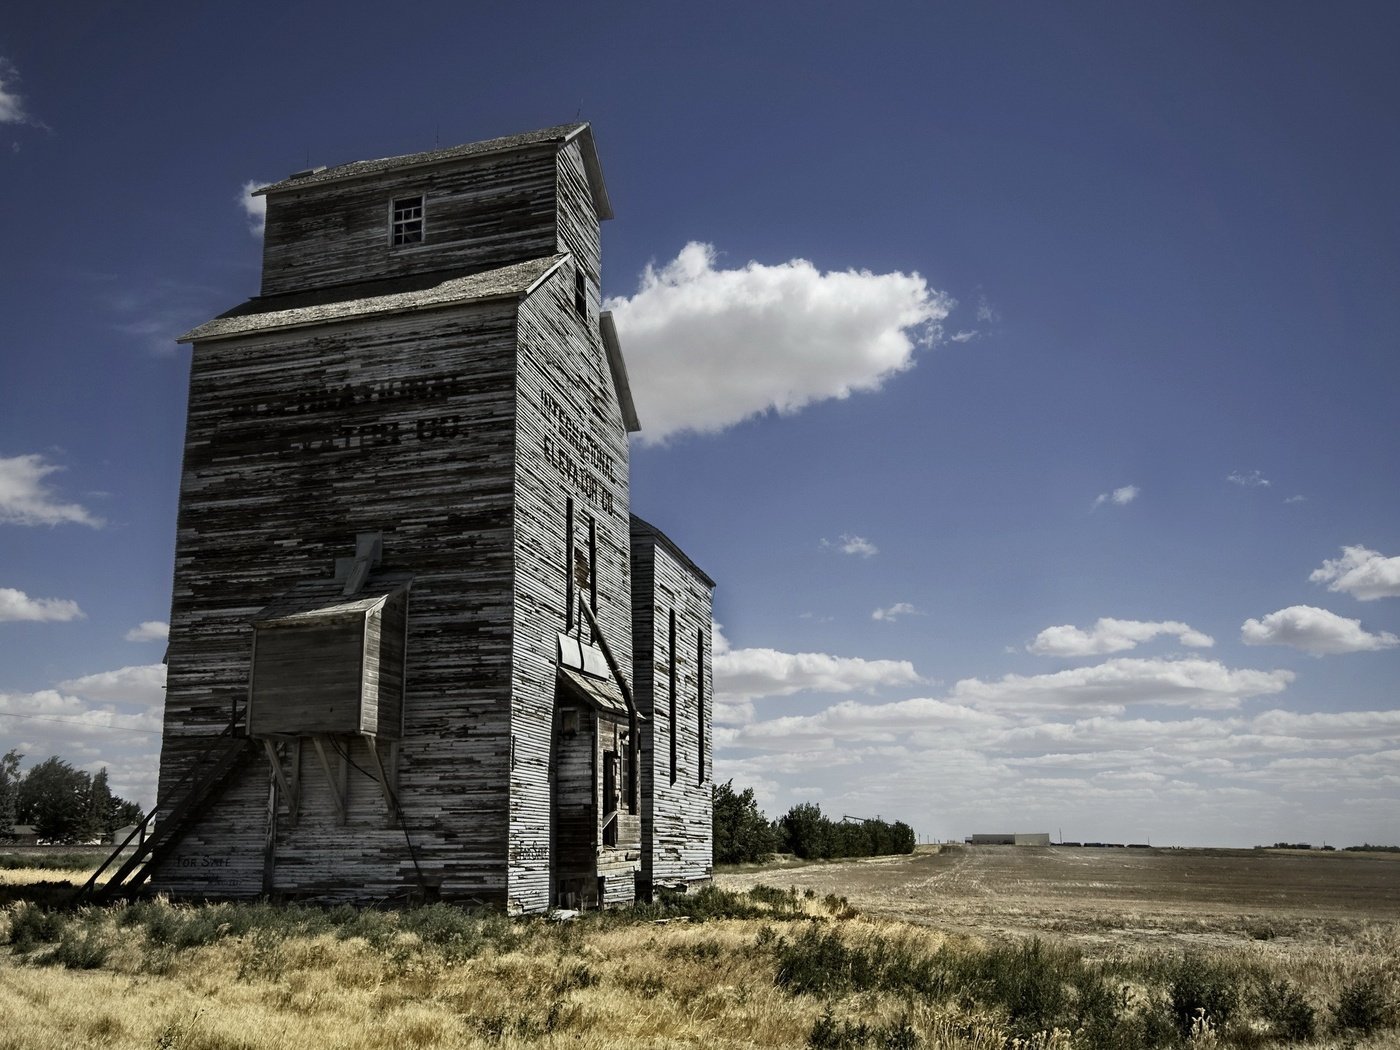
point(744, 834)
point(63, 804)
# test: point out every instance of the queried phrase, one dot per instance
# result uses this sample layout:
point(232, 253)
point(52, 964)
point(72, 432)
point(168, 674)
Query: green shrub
point(1361, 1006)
point(830, 1034)
point(32, 925)
point(1029, 979)
point(820, 962)
point(816, 963)
point(1285, 1009)
point(79, 948)
point(1202, 986)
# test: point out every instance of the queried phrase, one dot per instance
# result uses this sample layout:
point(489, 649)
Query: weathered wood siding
point(677, 799)
point(571, 445)
point(478, 214)
point(461, 434)
point(295, 443)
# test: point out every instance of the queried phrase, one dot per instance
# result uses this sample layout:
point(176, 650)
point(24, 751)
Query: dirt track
point(1113, 894)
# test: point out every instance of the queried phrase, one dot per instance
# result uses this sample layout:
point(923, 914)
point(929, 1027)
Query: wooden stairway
point(207, 775)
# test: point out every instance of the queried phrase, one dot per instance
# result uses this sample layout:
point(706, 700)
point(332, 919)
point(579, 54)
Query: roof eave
point(618, 368)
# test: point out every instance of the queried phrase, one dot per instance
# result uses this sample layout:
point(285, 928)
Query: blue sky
point(994, 359)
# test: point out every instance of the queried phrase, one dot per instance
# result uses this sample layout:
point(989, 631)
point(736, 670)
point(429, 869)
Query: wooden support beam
point(389, 799)
point(277, 770)
point(294, 802)
point(336, 782)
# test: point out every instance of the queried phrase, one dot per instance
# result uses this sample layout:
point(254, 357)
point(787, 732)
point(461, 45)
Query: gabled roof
point(558, 136)
point(639, 528)
point(271, 313)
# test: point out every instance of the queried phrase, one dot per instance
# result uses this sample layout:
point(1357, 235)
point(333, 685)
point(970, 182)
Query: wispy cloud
point(1315, 631)
point(16, 605)
point(144, 685)
point(1118, 497)
point(895, 611)
point(709, 347)
point(11, 103)
point(25, 499)
point(149, 631)
point(848, 544)
point(1296, 499)
point(1112, 636)
point(1113, 684)
point(1363, 573)
point(748, 674)
point(156, 315)
point(1253, 480)
point(254, 208)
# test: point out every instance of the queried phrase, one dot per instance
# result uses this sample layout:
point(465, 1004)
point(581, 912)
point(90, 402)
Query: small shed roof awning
point(323, 601)
point(601, 693)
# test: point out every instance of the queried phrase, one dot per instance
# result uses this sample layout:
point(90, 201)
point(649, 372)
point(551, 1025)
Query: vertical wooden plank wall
point(571, 443)
point(677, 815)
point(487, 212)
point(271, 496)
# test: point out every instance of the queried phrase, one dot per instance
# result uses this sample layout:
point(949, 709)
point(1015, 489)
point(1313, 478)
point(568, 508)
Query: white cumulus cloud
point(149, 631)
point(1315, 631)
point(144, 684)
point(1118, 497)
point(255, 208)
point(1362, 573)
point(709, 347)
point(1112, 636)
point(26, 500)
point(16, 605)
point(895, 611)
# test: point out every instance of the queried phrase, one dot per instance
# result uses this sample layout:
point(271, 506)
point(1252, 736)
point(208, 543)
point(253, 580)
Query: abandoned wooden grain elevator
point(418, 644)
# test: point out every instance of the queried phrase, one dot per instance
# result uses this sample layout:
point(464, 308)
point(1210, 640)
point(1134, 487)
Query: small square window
point(406, 221)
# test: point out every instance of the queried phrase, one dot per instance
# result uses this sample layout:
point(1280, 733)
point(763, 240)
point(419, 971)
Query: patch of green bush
point(32, 926)
point(1361, 1007)
point(1200, 988)
point(830, 1034)
point(1284, 1008)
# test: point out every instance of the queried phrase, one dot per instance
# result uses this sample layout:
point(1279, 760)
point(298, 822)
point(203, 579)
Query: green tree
point(54, 797)
point(9, 791)
point(806, 832)
point(742, 832)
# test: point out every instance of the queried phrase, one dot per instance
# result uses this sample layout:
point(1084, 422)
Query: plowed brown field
point(1117, 895)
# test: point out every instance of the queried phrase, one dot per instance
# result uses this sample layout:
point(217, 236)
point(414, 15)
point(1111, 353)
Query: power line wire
point(77, 722)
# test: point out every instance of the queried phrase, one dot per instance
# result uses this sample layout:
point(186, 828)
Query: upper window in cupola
point(406, 221)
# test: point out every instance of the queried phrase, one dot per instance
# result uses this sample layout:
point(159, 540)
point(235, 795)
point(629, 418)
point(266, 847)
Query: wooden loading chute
point(328, 666)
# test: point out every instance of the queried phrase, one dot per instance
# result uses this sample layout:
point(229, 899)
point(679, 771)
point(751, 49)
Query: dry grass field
point(994, 947)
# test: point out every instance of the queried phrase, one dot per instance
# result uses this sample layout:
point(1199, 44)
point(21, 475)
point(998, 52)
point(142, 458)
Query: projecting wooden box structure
point(407, 655)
